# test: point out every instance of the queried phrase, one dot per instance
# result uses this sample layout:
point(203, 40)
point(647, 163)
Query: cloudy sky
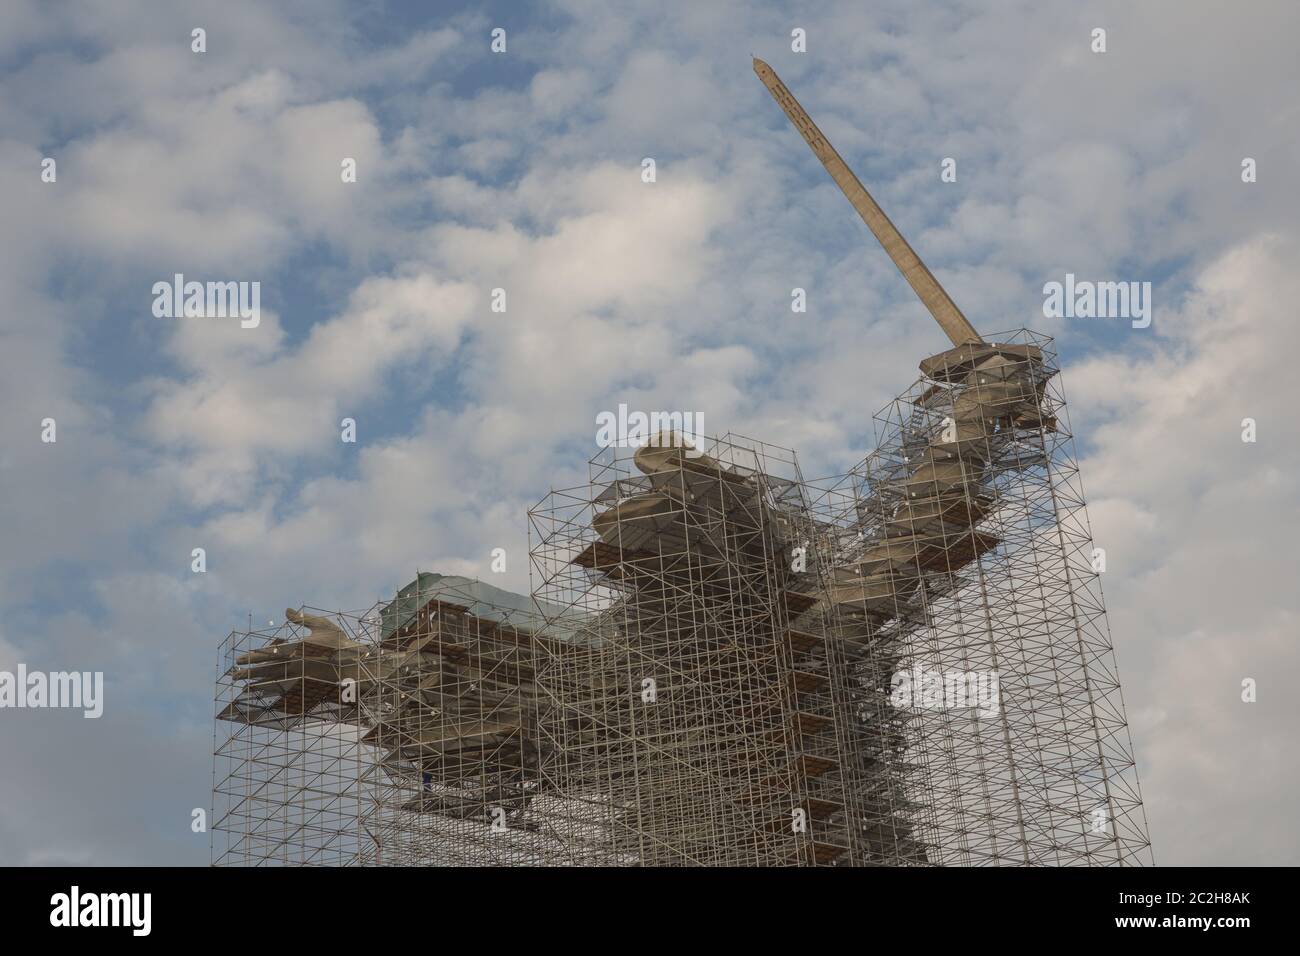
point(522, 171)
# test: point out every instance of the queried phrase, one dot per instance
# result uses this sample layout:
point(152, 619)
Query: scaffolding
point(907, 664)
point(402, 735)
point(725, 664)
point(708, 718)
point(969, 549)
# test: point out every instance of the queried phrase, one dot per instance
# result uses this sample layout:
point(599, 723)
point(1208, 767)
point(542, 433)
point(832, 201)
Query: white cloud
point(674, 294)
point(1201, 582)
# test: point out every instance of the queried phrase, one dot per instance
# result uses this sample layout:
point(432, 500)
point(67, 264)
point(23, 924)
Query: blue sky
point(522, 171)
